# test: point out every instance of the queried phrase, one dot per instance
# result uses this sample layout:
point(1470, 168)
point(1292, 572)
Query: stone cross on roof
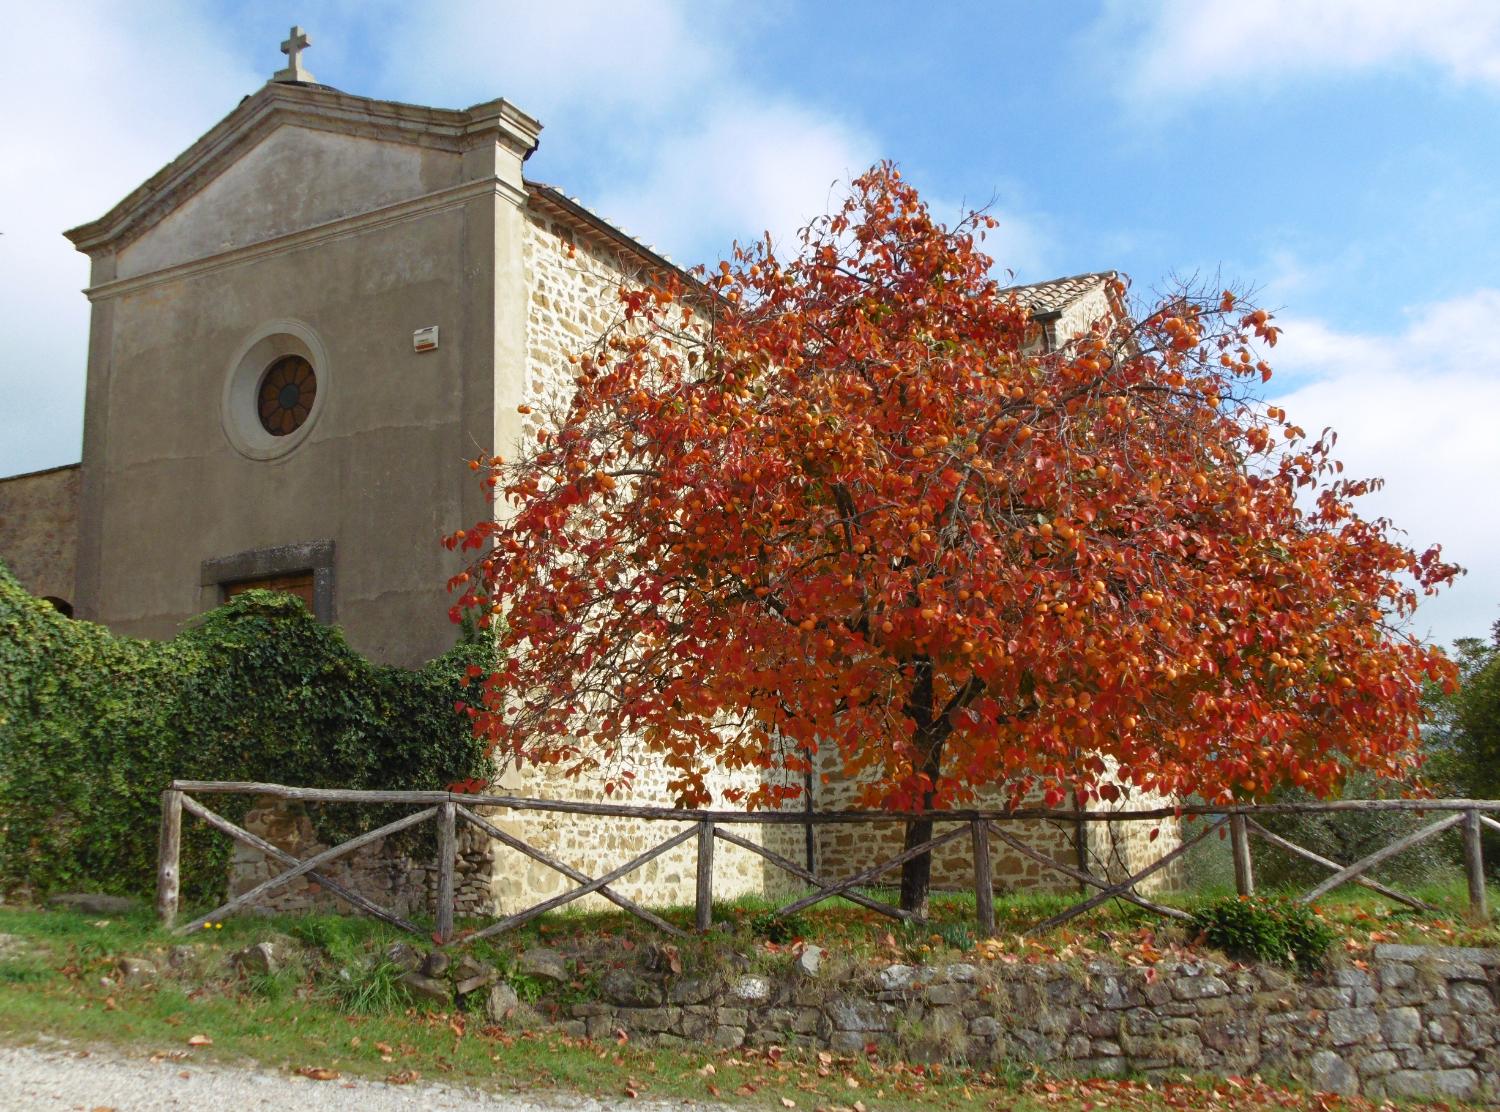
point(295, 44)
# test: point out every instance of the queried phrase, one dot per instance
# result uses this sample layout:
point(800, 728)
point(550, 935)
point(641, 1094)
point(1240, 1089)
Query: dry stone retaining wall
point(1416, 1022)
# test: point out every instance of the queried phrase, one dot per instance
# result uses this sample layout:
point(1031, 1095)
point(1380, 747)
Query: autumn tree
point(838, 508)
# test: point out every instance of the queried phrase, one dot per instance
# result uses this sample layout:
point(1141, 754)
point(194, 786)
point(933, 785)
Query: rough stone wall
point(1418, 1022)
point(595, 844)
point(1080, 315)
point(491, 878)
point(573, 280)
point(1121, 849)
point(573, 300)
point(39, 530)
point(1114, 849)
point(385, 871)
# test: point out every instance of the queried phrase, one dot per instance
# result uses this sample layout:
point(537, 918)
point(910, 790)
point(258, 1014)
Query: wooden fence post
point(446, 851)
point(984, 881)
point(705, 895)
point(168, 854)
point(1474, 866)
point(1239, 845)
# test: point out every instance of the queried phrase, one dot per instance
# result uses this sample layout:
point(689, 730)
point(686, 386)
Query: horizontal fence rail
point(1468, 816)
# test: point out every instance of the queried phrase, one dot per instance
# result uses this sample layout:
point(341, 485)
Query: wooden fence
point(708, 828)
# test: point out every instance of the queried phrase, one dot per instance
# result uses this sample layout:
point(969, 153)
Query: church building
point(302, 328)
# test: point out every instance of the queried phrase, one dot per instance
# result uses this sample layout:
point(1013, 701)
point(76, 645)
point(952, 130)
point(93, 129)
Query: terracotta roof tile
point(1053, 296)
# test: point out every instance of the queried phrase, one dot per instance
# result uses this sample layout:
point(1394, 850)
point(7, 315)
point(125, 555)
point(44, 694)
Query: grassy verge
point(1361, 919)
point(327, 1013)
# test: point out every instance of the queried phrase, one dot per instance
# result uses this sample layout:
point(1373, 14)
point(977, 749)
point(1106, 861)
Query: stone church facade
point(301, 328)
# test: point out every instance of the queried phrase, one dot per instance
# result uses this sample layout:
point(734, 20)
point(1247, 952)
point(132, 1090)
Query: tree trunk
point(916, 874)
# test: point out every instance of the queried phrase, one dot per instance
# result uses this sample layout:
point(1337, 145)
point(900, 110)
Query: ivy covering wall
point(94, 726)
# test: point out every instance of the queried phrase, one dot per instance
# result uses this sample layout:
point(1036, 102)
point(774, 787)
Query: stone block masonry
point(385, 871)
point(492, 879)
point(1412, 1022)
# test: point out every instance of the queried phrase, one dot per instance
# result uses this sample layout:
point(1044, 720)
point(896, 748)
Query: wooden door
point(299, 583)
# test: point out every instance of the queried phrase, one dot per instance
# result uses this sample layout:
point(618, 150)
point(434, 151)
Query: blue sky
point(1343, 156)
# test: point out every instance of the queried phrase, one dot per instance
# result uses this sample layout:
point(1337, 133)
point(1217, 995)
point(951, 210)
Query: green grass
point(1361, 917)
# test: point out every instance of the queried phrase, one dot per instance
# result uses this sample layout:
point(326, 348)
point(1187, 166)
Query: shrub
point(94, 726)
point(1280, 931)
point(1348, 836)
point(777, 928)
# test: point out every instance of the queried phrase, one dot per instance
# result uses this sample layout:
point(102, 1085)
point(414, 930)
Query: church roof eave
point(559, 204)
point(314, 106)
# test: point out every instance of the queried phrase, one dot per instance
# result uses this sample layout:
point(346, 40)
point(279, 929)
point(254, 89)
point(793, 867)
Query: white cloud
point(109, 96)
point(1418, 408)
point(744, 169)
point(584, 57)
point(1182, 46)
point(651, 119)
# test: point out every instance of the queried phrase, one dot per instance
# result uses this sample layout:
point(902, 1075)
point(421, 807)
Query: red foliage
point(470, 786)
point(841, 508)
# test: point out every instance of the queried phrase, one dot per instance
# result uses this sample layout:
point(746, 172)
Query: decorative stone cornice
point(451, 197)
point(275, 105)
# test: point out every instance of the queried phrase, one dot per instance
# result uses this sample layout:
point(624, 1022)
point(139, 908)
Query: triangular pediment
point(289, 158)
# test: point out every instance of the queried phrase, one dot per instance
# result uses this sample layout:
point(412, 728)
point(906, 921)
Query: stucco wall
point(39, 530)
point(295, 178)
point(381, 473)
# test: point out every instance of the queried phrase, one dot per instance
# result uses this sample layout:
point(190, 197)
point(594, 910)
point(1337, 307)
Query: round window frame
point(240, 412)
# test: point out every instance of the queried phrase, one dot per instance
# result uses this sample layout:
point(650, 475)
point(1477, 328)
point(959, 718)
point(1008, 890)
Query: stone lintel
point(262, 563)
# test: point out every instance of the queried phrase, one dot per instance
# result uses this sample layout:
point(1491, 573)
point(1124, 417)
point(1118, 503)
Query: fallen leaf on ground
point(319, 1073)
point(403, 1077)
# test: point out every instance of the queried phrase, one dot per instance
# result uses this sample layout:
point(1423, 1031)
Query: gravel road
point(57, 1077)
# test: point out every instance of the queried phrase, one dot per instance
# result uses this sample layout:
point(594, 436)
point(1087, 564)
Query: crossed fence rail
point(707, 827)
